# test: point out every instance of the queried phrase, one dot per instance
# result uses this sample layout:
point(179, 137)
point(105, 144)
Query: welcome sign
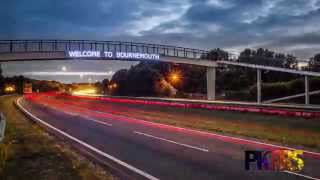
point(113, 55)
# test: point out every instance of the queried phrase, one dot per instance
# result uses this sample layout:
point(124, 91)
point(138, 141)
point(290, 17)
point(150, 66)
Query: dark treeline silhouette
point(264, 57)
point(216, 55)
point(153, 79)
point(314, 64)
point(260, 56)
point(269, 58)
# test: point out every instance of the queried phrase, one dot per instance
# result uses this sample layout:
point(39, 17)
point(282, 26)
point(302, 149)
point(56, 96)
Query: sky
point(289, 26)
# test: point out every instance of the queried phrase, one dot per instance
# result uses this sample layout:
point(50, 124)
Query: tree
point(268, 58)
point(216, 55)
point(120, 78)
point(314, 63)
point(139, 80)
point(247, 53)
point(290, 62)
point(105, 84)
point(17, 81)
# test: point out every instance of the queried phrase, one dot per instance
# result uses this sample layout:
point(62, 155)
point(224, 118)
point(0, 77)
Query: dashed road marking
point(170, 141)
point(301, 175)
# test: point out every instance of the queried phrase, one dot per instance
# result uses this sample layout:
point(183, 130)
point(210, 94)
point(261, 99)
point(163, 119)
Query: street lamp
point(113, 86)
point(9, 88)
point(175, 77)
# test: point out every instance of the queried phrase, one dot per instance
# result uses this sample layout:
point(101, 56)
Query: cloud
point(219, 4)
point(284, 25)
point(157, 14)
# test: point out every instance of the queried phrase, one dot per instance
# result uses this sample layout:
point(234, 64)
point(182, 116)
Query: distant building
point(302, 65)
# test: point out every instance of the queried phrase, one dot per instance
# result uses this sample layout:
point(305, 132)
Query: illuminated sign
point(84, 53)
point(113, 55)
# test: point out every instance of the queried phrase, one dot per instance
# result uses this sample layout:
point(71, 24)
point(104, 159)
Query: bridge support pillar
point(306, 86)
point(211, 83)
point(259, 86)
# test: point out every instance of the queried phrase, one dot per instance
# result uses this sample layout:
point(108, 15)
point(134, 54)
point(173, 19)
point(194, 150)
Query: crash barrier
point(295, 112)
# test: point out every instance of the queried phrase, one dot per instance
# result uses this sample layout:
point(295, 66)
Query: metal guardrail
point(2, 126)
point(11, 46)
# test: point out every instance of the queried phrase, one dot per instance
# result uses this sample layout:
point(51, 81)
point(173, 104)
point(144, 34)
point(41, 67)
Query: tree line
point(266, 57)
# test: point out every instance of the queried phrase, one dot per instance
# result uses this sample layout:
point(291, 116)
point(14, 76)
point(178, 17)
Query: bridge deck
point(11, 46)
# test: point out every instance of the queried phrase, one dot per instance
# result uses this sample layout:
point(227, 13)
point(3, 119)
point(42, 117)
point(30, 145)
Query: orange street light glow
point(9, 88)
point(175, 77)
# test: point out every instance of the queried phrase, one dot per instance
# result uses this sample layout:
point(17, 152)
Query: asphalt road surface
point(145, 150)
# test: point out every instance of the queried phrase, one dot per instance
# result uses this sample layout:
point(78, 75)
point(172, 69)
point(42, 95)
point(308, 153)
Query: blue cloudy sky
point(290, 26)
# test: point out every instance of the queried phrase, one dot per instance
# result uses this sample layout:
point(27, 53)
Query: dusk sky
point(289, 26)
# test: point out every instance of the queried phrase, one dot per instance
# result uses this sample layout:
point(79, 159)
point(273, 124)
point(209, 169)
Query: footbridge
point(35, 50)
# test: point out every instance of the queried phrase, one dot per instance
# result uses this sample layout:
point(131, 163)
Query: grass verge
point(28, 152)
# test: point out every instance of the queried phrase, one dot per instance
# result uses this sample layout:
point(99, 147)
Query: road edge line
point(301, 175)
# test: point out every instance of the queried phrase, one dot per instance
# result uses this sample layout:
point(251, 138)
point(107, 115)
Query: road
point(146, 150)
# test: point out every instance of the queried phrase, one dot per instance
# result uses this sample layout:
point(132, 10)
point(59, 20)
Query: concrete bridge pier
point(307, 94)
point(259, 86)
point(211, 83)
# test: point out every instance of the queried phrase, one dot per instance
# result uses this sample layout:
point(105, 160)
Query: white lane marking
point(97, 121)
point(205, 133)
point(76, 114)
point(170, 141)
point(134, 169)
point(301, 175)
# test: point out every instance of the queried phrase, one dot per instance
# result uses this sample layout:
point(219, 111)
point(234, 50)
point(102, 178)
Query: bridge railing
point(12, 46)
